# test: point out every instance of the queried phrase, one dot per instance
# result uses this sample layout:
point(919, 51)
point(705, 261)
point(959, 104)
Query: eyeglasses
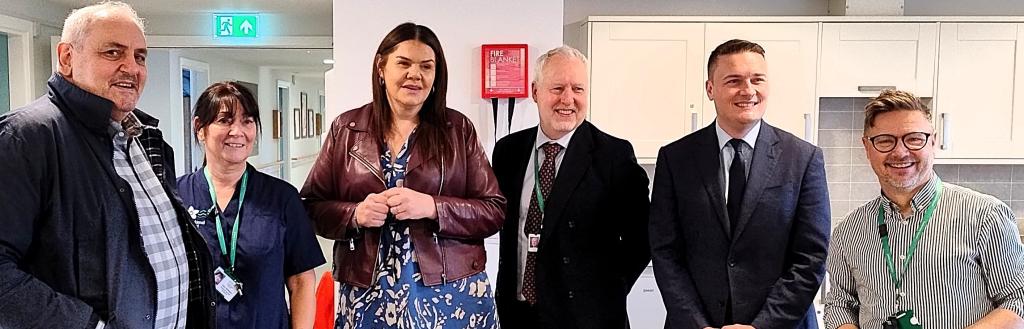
point(885, 143)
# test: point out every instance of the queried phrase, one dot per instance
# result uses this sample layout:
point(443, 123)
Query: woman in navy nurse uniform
point(269, 244)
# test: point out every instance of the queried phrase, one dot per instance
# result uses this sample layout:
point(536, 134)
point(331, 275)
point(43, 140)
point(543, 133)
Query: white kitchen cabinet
point(791, 50)
point(978, 108)
point(646, 81)
point(860, 59)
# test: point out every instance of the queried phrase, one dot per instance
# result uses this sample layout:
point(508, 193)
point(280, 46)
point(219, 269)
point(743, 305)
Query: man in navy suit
point(739, 214)
point(575, 234)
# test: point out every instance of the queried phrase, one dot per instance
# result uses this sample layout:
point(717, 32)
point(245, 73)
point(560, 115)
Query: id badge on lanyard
point(226, 281)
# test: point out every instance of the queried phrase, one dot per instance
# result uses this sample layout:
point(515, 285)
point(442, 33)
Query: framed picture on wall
point(303, 100)
point(310, 122)
point(319, 124)
point(275, 129)
point(297, 122)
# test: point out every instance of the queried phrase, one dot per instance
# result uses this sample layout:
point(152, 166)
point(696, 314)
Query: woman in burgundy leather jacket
point(405, 188)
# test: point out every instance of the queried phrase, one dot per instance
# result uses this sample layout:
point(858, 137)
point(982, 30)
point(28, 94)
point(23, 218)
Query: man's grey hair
point(538, 70)
point(78, 22)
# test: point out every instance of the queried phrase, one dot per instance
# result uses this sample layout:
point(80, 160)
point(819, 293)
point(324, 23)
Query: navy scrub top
point(275, 241)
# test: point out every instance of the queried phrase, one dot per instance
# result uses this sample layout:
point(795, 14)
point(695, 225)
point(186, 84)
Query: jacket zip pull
point(351, 244)
point(444, 267)
point(378, 262)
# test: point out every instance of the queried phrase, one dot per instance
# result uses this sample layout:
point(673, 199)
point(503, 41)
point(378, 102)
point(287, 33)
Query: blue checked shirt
point(161, 235)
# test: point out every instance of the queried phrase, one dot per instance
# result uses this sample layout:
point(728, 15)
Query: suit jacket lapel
point(574, 165)
point(710, 167)
point(522, 150)
point(762, 172)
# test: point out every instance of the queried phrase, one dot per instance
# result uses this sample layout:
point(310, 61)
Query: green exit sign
point(236, 25)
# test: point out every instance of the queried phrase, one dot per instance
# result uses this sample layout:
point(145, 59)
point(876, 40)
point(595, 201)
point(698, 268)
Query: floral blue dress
point(400, 299)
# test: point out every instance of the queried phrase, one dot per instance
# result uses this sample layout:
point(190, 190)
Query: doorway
point(195, 77)
point(17, 85)
point(282, 160)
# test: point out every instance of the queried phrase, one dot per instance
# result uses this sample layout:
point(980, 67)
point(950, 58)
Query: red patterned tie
point(535, 216)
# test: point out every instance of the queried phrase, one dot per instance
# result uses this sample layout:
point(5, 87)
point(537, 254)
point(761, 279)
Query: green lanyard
point(884, 234)
point(234, 227)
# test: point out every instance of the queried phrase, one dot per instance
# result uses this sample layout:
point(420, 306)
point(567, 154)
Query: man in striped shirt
point(925, 252)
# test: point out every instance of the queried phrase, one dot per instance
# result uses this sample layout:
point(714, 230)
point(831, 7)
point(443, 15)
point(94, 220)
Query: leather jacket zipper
point(369, 167)
point(380, 240)
point(444, 267)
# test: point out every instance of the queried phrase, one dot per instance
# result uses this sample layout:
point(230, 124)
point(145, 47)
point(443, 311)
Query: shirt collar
point(131, 126)
point(750, 138)
point(921, 198)
point(544, 139)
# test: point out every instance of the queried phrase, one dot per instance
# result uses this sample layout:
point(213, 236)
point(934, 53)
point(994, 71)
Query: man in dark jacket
point(575, 234)
point(93, 237)
point(739, 210)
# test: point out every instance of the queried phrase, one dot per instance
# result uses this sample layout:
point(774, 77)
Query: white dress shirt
point(726, 152)
point(527, 192)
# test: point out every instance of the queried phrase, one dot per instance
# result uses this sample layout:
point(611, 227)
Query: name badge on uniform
point(534, 242)
point(226, 285)
point(198, 216)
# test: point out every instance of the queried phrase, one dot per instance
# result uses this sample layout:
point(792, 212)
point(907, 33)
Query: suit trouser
point(520, 315)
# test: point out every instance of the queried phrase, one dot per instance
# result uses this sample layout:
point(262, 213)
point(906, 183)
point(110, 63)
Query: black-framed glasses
point(885, 143)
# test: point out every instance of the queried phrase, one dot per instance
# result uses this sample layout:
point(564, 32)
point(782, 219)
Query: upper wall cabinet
point(860, 59)
point(646, 83)
point(791, 50)
point(979, 108)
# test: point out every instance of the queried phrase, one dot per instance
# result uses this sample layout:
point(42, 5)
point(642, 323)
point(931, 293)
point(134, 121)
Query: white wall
point(222, 68)
point(159, 100)
point(43, 12)
point(312, 87)
point(462, 26)
point(267, 98)
point(42, 66)
point(306, 148)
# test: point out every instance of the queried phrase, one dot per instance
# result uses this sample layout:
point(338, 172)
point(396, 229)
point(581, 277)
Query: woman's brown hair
point(432, 133)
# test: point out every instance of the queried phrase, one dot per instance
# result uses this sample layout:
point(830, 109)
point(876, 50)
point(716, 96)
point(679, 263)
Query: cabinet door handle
point(808, 126)
point(693, 122)
point(874, 89)
point(945, 131)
